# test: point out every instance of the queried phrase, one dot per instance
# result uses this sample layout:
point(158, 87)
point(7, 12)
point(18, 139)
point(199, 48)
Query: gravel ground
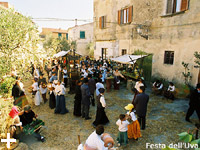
point(165, 119)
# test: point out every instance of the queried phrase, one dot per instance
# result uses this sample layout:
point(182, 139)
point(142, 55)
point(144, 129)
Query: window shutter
point(130, 14)
point(119, 16)
point(184, 5)
point(169, 6)
point(100, 22)
point(104, 23)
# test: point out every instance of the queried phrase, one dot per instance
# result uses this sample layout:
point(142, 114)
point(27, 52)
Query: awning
point(127, 59)
point(63, 53)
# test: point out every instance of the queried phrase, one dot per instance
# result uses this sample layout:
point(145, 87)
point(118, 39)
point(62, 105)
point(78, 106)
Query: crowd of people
point(89, 91)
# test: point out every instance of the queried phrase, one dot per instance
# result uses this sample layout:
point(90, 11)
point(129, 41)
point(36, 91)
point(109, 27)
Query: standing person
point(108, 81)
point(134, 126)
point(65, 76)
point(122, 123)
point(53, 77)
point(194, 104)
point(92, 87)
point(52, 98)
point(19, 95)
point(59, 72)
point(37, 97)
point(77, 101)
point(43, 90)
point(42, 80)
point(99, 85)
point(85, 99)
point(137, 88)
point(60, 99)
point(117, 76)
point(101, 117)
point(140, 103)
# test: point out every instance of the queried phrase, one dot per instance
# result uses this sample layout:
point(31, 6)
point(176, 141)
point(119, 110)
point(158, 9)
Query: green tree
point(90, 49)
point(51, 45)
point(18, 40)
point(64, 45)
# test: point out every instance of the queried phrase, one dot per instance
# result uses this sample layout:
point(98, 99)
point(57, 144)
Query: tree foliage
point(54, 45)
point(197, 56)
point(18, 40)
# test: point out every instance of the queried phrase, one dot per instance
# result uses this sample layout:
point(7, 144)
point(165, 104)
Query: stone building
point(169, 29)
point(83, 35)
point(56, 33)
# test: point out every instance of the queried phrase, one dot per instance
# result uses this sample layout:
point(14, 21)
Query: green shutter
point(59, 35)
point(82, 34)
point(66, 36)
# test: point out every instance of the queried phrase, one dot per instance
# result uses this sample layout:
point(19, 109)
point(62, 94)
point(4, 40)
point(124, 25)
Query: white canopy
point(127, 59)
point(63, 53)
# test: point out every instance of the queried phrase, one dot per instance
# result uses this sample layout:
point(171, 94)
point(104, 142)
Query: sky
point(62, 9)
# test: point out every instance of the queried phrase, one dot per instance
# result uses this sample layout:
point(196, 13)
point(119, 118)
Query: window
point(175, 6)
point(102, 22)
point(104, 52)
point(59, 35)
point(169, 57)
point(82, 34)
point(124, 51)
point(66, 36)
point(125, 15)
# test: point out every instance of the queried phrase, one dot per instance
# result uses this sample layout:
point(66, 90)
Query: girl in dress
point(122, 137)
point(37, 97)
point(60, 99)
point(134, 126)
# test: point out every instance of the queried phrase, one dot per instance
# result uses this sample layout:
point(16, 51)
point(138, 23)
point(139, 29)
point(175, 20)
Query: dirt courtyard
point(165, 119)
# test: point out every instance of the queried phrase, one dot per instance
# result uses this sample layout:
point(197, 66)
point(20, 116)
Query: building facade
point(169, 29)
point(83, 35)
point(56, 33)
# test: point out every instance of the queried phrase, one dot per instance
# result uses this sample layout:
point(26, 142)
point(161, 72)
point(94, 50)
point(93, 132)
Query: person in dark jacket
point(141, 102)
point(194, 104)
point(77, 101)
point(101, 117)
point(92, 87)
point(85, 99)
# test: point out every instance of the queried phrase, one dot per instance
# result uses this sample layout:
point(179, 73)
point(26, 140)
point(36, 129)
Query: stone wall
point(74, 35)
point(179, 33)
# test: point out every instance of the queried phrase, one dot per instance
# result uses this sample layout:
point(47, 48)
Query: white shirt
point(138, 85)
point(171, 88)
point(21, 86)
point(98, 86)
point(60, 89)
point(85, 74)
point(102, 100)
point(35, 86)
point(160, 87)
point(123, 125)
point(43, 90)
point(65, 72)
point(133, 116)
point(94, 141)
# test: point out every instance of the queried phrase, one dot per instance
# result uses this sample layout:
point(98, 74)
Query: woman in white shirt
point(37, 98)
point(101, 117)
point(60, 99)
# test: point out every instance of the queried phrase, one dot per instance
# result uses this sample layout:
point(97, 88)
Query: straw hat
point(129, 107)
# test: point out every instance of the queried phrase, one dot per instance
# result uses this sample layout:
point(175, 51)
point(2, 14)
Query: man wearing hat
point(194, 104)
point(85, 99)
point(101, 117)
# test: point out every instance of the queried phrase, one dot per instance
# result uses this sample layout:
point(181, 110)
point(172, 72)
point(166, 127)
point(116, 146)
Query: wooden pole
point(79, 139)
